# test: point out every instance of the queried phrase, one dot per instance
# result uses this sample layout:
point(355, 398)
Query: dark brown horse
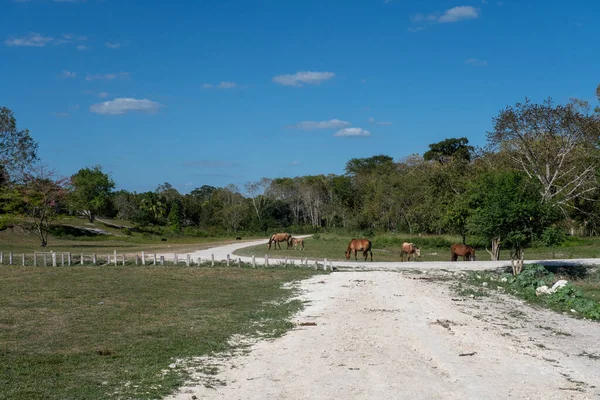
point(278, 238)
point(466, 252)
point(295, 242)
point(363, 245)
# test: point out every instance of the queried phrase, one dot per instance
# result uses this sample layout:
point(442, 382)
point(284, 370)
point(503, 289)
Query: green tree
point(449, 149)
point(175, 217)
point(90, 191)
point(357, 166)
point(17, 148)
point(507, 209)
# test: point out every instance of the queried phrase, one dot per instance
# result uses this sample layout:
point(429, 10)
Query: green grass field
point(433, 248)
point(67, 237)
point(108, 332)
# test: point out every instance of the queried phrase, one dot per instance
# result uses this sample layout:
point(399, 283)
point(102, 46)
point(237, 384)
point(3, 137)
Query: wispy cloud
point(352, 132)
point(33, 39)
point(375, 122)
point(114, 45)
point(210, 164)
point(69, 74)
point(312, 125)
point(221, 85)
point(303, 77)
point(103, 95)
point(295, 163)
point(124, 105)
point(455, 14)
point(107, 77)
point(30, 40)
point(82, 47)
point(476, 63)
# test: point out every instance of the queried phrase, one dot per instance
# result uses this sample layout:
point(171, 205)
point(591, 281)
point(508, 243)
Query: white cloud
point(459, 13)
point(82, 47)
point(476, 63)
point(107, 77)
point(37, 40)
point(352, 132)
point(124, 105)
point(30, 40)
point(454, 14)
point(311, 125)
point(103, 95)
point(374, 121)
point(221, 85)
point(295, 163)
point(69, 74)
point(308, 77)
point(113, 45)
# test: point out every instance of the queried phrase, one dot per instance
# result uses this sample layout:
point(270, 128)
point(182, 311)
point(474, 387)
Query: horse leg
point(371, 255)
point(356, 259)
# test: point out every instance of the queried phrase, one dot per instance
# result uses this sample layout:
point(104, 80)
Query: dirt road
point(394, 335)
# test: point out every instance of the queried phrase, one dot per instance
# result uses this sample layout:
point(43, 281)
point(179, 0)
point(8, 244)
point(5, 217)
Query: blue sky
point(229, 91)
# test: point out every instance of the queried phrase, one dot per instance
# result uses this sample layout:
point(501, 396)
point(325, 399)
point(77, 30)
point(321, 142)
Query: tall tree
point(43, 194)
point(506, 208)
point(257, 191)
point(90, 191)
point(449, 149)
point(554, 144)
point(17, 148)
point(357, 166)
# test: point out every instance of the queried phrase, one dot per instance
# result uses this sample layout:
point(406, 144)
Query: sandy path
point(384, 335)
point(389, 335)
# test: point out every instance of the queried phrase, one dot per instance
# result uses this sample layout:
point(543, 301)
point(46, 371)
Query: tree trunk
point(516, 260)
point(495, 253)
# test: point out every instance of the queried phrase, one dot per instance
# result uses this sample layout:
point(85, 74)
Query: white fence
point(56, 259)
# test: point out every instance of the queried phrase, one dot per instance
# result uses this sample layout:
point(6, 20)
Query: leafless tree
point(557, 145)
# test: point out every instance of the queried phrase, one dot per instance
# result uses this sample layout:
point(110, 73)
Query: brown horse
point(295, 242)
point(363, 245)
point(410, 249)
point(278, 238)
point(466, 252)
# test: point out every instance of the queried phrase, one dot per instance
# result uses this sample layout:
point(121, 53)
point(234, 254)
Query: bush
point(553, 236)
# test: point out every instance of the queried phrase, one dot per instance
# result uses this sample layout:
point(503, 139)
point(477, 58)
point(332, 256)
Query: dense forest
point(536, 179)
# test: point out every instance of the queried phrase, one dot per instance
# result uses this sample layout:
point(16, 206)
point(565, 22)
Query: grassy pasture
point(108, 332)
point(67, 237)
point(433, 248)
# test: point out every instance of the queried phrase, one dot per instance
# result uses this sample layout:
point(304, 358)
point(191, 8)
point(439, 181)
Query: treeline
point(537, 177)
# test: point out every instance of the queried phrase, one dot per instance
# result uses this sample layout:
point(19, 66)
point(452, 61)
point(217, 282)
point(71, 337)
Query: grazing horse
point(363, 245)
point(297, 241)
point(466, 252)
point(278, 238)
point(410, 249)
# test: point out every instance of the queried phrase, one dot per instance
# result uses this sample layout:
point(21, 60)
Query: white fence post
point(154, 260)
point(143, 258)
point(123, 258)
point(266, 260)
point(239, 262)
point(162, 260)
point(175, 259)
point(325, 265)
point(212, 258)
point(34, 259)
point(45, 259)
point(187, 262)
point(62, 259)
point(228, 260)
point(115, 255)
point(80, 260)
point(94, 259)
point(23, 259)
point(253, 261)
point(69, 259)
point(1, 257)
point(285, 262)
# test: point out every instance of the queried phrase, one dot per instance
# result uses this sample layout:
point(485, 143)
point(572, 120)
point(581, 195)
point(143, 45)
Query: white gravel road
point(385, 331)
